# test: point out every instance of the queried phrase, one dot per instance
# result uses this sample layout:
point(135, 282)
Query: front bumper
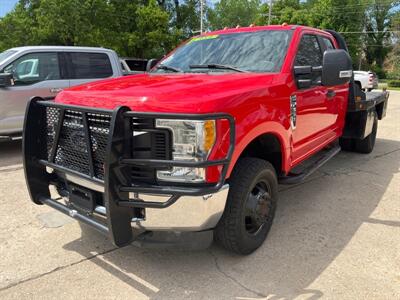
point(118, 203)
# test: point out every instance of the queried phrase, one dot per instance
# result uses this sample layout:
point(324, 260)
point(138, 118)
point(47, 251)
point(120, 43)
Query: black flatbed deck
point(368, 100)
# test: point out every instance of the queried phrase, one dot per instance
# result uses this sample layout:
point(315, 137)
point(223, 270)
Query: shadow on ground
point(10, 153)
point(314, 223)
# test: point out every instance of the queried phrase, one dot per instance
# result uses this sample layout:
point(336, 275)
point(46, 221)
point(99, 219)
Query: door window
point(34, 67)
point(90, 65)
point(310, 54)
point(328, 44)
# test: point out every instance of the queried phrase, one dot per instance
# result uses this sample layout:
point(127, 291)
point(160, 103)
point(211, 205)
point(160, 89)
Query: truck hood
point(179, 93)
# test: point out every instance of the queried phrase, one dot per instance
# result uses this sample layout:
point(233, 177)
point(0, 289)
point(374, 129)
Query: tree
point(379, 17)
point(392, 62)
point(345, 16)
point(284, 11)
point(131, 27)
point(230, 13)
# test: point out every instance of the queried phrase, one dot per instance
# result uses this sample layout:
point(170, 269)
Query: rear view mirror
point(151, 63)
point(336, 68)
point(6, 79)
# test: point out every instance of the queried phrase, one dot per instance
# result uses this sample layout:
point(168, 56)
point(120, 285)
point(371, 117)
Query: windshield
point(6, 54)
point(261, 51)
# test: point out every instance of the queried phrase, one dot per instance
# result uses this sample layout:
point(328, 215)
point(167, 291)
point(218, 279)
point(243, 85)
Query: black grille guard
point(115, 186)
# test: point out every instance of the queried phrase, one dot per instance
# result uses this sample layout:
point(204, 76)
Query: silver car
point(43, 72)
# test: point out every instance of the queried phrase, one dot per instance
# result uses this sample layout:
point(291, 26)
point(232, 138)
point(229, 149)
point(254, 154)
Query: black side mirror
point(151, 63)
point(6, 79)
point(336, 68)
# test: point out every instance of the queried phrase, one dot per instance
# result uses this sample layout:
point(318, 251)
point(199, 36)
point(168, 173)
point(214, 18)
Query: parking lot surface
point(337, 236)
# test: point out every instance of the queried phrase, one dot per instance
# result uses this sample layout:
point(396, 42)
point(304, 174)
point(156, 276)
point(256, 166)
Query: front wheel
point(250, 207)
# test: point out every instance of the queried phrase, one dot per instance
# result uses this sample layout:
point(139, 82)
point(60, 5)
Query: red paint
point(258, 102)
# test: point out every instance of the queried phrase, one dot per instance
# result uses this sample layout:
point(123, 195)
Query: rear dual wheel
point(250, 207)
point(365, 145)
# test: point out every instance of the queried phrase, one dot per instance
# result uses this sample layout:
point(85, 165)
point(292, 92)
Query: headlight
point(192, 142)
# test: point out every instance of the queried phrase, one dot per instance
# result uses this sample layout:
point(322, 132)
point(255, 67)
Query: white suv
point(366, 80)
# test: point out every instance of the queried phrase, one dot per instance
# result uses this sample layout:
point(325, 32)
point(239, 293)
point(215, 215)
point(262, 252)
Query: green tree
point(378, 38)
point(284, 11)
point(16, 27)
point(392, 62)
point(230, 13)
point(131, 27)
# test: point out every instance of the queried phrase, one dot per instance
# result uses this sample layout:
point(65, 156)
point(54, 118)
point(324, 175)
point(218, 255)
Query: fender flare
point(273, 128)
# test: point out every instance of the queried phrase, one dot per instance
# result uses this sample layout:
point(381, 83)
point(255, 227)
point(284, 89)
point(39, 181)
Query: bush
point(379, 71)
point(394, 83)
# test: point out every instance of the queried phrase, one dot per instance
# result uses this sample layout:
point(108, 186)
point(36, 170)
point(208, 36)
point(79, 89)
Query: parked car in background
point(366, 80)
point(132, 66)
point(43, 71)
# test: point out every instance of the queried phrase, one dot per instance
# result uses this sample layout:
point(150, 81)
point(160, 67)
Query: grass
point(382, 85)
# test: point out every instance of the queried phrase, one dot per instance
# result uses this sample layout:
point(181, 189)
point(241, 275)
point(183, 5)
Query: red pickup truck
point(199, 144)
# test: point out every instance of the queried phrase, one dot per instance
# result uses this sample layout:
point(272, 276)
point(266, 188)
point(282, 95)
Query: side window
point(328, 44)
point(90, 65)
point(34, 67)
point(310, 54)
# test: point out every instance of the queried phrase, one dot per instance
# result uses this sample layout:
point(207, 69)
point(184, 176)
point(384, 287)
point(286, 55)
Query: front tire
point(250, 207)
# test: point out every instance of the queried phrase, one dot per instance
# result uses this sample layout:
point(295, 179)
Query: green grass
point(382, 85)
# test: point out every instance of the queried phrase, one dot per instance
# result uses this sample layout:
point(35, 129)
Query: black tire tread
point(367, 145)
point(242, 176)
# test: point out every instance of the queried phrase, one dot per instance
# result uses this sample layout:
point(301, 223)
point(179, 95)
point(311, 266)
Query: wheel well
point(267, 147)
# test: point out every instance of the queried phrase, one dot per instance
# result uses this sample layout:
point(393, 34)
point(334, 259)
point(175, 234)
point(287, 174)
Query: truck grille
point(73, 150)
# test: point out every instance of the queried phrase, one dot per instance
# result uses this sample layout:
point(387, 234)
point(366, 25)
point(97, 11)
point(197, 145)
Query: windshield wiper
point(216, 66)
point(169, 68)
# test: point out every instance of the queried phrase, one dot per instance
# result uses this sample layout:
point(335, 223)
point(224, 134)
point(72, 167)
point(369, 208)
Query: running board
point(298, 178)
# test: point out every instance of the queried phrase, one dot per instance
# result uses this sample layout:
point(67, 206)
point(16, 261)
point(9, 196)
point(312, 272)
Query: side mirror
point(336, 68)
point(304, 75)
point(6, 80)
point(151, 63)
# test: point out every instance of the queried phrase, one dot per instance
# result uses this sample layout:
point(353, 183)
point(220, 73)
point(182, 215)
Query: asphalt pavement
point(337, 236)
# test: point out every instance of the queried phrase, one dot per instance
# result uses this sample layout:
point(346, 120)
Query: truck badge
point(293, 111)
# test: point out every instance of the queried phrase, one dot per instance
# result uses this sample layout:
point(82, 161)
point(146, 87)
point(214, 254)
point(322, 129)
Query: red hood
point(180, 93)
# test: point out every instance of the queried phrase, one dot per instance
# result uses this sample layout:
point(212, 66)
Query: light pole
point(269, 12)
point(201, 15)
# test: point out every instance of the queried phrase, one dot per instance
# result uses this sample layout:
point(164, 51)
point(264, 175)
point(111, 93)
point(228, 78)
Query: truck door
point(89, 66)
point(35, 74)
point(336, 96)
point(314, 120)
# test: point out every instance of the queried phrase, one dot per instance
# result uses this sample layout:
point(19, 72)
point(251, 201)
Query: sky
point(6, 6)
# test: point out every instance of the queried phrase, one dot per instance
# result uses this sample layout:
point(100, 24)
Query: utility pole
point(269, 13)
point(201, 15)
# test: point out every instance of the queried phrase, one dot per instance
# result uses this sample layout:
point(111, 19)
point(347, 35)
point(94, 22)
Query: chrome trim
point(189, 213)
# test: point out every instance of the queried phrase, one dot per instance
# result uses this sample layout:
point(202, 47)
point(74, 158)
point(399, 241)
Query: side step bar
point(298, 178)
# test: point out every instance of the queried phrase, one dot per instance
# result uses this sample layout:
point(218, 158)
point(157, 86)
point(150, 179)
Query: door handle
point(330, 94)
point(55, 90)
